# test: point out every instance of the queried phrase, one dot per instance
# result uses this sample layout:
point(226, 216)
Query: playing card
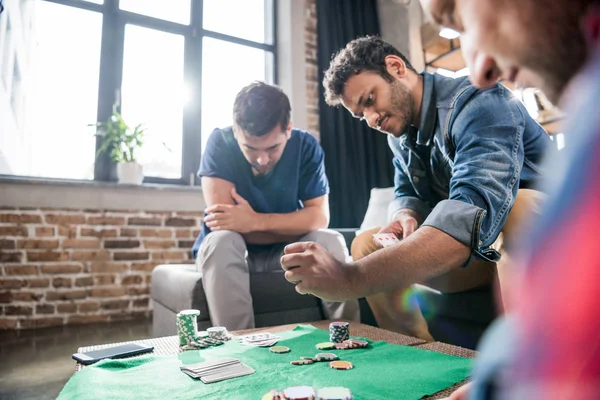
point(385, 239)
point(217, 370)
point(265, 339)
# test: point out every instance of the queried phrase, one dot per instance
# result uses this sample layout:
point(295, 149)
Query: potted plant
point(121, 142)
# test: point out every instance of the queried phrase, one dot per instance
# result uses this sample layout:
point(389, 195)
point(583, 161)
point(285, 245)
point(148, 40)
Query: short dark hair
point(260, 107)
point(363, 54)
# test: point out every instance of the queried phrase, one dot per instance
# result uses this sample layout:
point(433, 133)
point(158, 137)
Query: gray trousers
point(226, 264)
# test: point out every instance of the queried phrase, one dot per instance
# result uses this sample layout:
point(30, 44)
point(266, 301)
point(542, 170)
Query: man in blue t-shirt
point(265, 186)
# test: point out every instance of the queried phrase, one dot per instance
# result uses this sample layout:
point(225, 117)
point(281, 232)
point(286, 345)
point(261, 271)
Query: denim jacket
point(460, 171)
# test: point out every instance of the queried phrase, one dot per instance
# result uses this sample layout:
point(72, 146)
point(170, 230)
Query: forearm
point(425, 254)
point(297, 223)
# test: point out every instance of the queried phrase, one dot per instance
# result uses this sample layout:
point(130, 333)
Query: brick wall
point(81, 266)
point(312, 69)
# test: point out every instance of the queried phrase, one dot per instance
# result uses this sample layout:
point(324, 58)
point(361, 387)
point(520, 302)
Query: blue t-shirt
point(298, 176)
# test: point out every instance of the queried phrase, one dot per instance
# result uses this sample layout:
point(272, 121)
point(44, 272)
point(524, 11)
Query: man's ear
point(288, 131)
point(395, 66)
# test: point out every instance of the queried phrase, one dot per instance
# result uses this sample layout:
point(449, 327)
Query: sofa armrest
point(349, 234)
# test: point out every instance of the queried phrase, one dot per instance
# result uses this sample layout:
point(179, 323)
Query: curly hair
point(363, 54)
point(260, 107)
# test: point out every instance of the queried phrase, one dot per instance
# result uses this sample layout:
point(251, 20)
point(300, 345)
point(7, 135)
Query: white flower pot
point(130, 173)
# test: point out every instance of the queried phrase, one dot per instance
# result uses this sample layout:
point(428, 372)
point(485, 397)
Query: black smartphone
point(123, 350)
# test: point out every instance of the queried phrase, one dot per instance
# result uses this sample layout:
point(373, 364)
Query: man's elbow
point(321, 220)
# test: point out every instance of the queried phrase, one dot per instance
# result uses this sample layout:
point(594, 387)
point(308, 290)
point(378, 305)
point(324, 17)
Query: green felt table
point(382, 371)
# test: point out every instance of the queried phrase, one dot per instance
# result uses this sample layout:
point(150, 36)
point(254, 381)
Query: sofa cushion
point(377, 211)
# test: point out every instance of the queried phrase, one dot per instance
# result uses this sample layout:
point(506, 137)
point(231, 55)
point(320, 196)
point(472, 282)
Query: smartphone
point(124, 350)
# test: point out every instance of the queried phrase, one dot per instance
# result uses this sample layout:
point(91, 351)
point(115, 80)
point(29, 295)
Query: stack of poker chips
point(339, 331)
point(187, 326)
point(308, 393)
point(218, 333)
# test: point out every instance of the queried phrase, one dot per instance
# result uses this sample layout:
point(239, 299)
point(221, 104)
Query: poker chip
point(343, 365)
point(342, 346)
point(218, 333)
point(272, 395)
point(339, 331)
point(313, 359)
point(326, 346)
point(356, 343)
point(298, 393)
point(187, 326)
point(334, 393)
point(279, 349)
point(326, 357)
point(301, 362)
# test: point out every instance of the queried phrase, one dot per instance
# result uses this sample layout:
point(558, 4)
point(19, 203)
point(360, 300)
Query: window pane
point(175, 11)
point(50, 92)
point(153, 94)
point(241, 18)
point(221, 80)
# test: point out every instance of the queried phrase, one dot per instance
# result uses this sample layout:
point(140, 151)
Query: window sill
point(81, 194)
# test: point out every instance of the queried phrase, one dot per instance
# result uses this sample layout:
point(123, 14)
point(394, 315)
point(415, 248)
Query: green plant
point(119, 138)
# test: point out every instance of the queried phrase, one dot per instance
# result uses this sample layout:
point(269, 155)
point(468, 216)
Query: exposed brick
point(35, 256)
point(43, 231)
point(20, 218)
point(84, 281)
point(183, 234)
point(185, 244)
point(170, 255)
point(132, 280)
point(61, 268)
point(106, 221)
point(121, 244)
point(13, 231)
point(163, 213)
point(129, 232)
point(144, 221)
point(18, 310)
point(196, 232)
point(148, 279)
point(6, 297)
point(7, 244)
point(146, 266)
point(107, 267)
point(156, 233)
point(67, 231)
point(67, 308)
point(37, 244)
point(101, 255)
point(190, 213)
point(107, 292)
point(10, 257)
point(141, 303)
point(61, 282)
point(115, 305)
point(21, 269)
point(174, 221)
point(27, 296)
point(87, 319)
point(8, 323)
point(65, 219)
point(159, 244)
point(38, 283)
point(88, 306)
point(99, 233)
point(92, 243)
point(45, 309)
point(66, 295)
point(131, 255)
point(100, 280)
point(41, 322)
point(11, 284)
point(136, 291)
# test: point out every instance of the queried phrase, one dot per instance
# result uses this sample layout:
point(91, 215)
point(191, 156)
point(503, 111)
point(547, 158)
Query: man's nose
point(484, 71)
point(371, 117)
point(262, 160)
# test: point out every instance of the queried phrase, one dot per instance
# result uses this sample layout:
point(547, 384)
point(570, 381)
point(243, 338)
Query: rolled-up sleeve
point(404, 194)
point(488, 138)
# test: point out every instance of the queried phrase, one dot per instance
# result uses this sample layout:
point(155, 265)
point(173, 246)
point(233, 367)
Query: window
point(163, 66)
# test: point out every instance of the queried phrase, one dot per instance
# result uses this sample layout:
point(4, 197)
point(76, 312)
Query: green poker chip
point(279, 349)
point(326, 346)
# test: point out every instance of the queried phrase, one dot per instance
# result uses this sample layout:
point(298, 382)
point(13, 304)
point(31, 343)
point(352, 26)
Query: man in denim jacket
point(463, 157)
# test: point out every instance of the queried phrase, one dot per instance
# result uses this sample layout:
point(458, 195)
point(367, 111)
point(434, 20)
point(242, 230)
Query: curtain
point(357, 158)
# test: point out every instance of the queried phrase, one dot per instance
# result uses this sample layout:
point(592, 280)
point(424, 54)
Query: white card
point(386, 239)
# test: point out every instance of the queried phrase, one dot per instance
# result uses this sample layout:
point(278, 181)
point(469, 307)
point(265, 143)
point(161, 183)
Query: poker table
point(382, 352)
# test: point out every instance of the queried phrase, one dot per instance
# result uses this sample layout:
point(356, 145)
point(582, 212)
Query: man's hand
point(402, 226)
point(315, 271)
point(238, 218)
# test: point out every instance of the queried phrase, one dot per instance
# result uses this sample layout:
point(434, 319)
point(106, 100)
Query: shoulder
point(304, 141)
point(220, 139)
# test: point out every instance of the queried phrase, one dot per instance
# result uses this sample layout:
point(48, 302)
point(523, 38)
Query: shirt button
point(416, 179)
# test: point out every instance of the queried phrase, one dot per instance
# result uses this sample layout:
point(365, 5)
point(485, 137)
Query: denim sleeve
point(488, 137)
point(404, 194)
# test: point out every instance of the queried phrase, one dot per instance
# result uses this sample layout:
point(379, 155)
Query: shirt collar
point(428, 115)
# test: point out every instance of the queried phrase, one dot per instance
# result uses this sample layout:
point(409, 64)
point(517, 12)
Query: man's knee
point(363, 244)
point(222, 244)
point(331, 240)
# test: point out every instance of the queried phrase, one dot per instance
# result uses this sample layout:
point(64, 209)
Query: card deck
point(386, 239)
point(264, 339)
point(217, 370)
